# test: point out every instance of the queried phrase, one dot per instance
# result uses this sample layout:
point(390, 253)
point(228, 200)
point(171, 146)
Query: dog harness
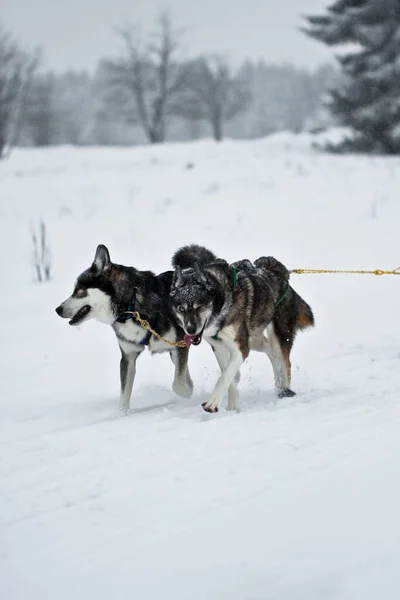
point(235, 270)
point(125, 316)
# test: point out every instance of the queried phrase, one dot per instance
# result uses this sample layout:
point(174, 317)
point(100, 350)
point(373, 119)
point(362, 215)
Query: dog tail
point(304, 313)
point(189, 256)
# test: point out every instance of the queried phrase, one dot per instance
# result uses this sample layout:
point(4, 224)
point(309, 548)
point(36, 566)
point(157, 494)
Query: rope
point(146, 325)
point(375, 272)
point(181, 344)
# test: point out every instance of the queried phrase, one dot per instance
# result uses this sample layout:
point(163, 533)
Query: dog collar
point(146, 340)
point(125, 316)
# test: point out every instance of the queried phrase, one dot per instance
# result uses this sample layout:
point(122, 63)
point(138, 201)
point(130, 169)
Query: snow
point(292, 499)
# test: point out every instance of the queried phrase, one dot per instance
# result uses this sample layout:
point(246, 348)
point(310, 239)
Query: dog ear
point(102, 261)
point(201, 278)
point(177, 278)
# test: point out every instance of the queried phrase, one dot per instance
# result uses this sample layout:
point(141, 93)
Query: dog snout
point(59, 310)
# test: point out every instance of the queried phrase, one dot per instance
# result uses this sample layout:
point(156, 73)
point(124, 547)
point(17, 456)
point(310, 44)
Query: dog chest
point(130, 333)
point(156, 346)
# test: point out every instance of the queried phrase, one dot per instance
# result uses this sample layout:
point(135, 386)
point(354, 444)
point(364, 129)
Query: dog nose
point(191, 329)
point(59, 310)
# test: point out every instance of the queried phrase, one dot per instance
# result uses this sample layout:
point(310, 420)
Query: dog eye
point(181, 308)
point(80, 293)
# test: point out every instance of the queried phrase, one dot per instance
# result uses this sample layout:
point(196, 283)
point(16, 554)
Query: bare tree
point(41, 257)
point(213, 94)
point(16, 70)
point(149, 76)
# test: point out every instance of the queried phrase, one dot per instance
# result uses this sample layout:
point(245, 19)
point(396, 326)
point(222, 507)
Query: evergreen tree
point(367, 98)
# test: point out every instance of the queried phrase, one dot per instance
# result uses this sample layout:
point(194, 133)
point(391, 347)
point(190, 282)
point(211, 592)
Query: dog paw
point(209, 407)
point(286, 393)
point(182, 389)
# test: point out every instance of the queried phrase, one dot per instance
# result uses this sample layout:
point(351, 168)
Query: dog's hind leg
point(222, 355)
point(182, 384)
point(279, 357)
point(127, 376)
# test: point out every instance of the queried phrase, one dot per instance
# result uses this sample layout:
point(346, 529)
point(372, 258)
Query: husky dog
point(105, 291)
point(238, 308)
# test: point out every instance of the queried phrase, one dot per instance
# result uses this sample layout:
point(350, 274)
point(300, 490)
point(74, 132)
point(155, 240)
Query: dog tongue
point(192, 339)
point(188, 339)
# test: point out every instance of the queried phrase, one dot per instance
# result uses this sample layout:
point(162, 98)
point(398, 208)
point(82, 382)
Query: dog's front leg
point(222, 354)
point(182, 384)
point(235, 361)
point(127, 375)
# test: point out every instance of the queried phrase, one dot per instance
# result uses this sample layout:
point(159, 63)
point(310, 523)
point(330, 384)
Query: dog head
point(93, 293)
point(192, 302)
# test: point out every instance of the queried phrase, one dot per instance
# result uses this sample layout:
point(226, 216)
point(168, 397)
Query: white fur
point(230, 360)
point(227, 336)
point(101, 306)
point(131, 330)
point(182, 384)
point(125, 396)
point(274, 352)
point(223, 355)
point(128, 347)
point(204, 317)
point(134, 334)
point(98, 301)
point(71, 306)
point(131, 348)
point(268, 343)
point(156, 345)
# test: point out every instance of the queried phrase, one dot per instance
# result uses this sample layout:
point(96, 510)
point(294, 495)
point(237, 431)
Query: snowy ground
point(294, 499)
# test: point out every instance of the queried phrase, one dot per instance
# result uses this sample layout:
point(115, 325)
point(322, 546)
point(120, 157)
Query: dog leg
point(280, 363)
point(182, 384)
point(236, 359)
point(222, 356)
point(127, 376)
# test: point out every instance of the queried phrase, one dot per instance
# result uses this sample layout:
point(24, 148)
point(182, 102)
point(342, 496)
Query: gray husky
point(238, 308)
point(108, 293)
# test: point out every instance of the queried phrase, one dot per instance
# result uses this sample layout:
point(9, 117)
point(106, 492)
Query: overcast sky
point(76, 33)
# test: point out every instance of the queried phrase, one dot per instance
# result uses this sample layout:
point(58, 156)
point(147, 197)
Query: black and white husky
point(105, 291)
point(237, 308)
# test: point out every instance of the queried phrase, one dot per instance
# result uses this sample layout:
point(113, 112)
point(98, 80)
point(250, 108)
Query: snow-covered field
point(294, 499)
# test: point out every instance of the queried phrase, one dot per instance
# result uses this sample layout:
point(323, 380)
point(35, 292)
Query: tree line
point(366, 97)
point(150, 93)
